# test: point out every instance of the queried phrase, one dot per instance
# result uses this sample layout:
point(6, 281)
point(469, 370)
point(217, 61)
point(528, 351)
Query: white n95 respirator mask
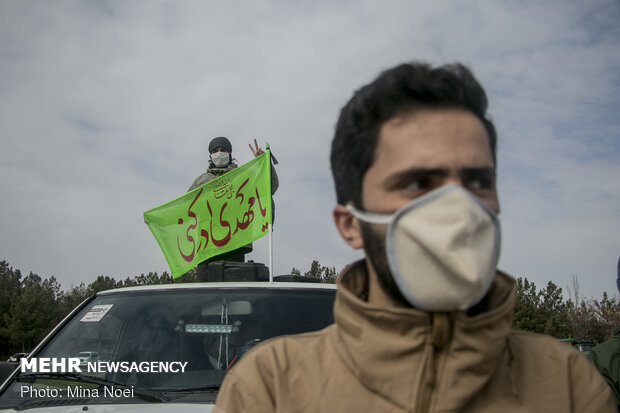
point(442, 248)
point(220, 159)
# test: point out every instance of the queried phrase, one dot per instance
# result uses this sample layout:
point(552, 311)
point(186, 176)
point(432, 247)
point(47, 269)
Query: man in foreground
point(423, 323)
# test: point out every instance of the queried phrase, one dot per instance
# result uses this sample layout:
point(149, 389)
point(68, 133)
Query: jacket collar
point(394, 350)
point(220, 171)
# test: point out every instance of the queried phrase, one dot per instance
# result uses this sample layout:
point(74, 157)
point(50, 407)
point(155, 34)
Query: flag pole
point(270, 255)
point(270, 223)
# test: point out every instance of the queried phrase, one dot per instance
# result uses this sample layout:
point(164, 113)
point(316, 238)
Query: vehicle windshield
point(206, 331)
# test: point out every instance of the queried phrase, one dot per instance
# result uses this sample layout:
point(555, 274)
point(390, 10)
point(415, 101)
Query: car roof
point(222, 285)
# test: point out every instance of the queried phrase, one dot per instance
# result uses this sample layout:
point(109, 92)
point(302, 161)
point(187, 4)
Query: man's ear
point(348, 226)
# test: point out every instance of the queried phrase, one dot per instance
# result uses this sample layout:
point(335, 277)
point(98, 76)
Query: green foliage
point(554, 311)
point(547, 312)
point(593, 318)
point(326, 274)
point(10, 282)
point(31, 307)
point(541, 311)
point(72, 298)
point(315, 270)
point(526, 305)
point(33, 311)
point(188, 277)
point(102, 283)
point(329, 275)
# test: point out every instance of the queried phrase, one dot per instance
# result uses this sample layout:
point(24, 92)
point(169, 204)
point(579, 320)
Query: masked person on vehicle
point(423, 323)
point(221, 162)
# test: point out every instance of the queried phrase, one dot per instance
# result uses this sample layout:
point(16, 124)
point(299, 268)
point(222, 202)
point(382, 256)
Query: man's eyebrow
point(478, 171)
point(413, 174)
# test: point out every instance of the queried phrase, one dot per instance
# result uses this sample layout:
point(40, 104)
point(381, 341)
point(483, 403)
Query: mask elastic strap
point(370, 217)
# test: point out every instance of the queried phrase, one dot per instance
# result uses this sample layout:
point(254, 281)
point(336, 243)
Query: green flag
point(220, 216)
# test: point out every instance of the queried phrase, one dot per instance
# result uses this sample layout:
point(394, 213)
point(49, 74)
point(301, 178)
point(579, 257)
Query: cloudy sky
point(107, 107)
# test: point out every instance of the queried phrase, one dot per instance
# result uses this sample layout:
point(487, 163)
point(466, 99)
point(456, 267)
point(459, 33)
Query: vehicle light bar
point(208, 328)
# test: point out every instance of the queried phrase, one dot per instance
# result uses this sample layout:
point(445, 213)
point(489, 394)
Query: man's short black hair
point(402, 89)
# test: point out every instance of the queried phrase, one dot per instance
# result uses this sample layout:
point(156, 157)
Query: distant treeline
point(31, 306)
point(546, 311)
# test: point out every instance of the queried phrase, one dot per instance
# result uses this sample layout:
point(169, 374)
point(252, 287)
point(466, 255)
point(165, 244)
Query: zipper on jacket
point(438, 339)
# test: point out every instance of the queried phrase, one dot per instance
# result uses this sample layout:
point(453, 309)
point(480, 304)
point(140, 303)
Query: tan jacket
point(212, 173)
point(376, 359)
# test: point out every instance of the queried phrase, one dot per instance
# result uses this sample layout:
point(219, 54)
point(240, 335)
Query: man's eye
point(421, 184)
point(479, 183)
point(413, 186)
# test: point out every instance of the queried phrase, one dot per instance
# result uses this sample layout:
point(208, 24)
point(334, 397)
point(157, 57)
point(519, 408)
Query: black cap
point(220, 142)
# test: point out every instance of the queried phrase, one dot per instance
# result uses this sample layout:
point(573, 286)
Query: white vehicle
point(87, 356)
point(154, 330)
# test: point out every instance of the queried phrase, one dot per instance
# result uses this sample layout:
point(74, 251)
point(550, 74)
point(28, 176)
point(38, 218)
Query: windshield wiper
point(147, 395)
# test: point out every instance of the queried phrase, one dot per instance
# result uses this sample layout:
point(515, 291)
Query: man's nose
point(454, 180)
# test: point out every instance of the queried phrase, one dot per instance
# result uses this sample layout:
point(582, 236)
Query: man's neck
point(376, 294)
